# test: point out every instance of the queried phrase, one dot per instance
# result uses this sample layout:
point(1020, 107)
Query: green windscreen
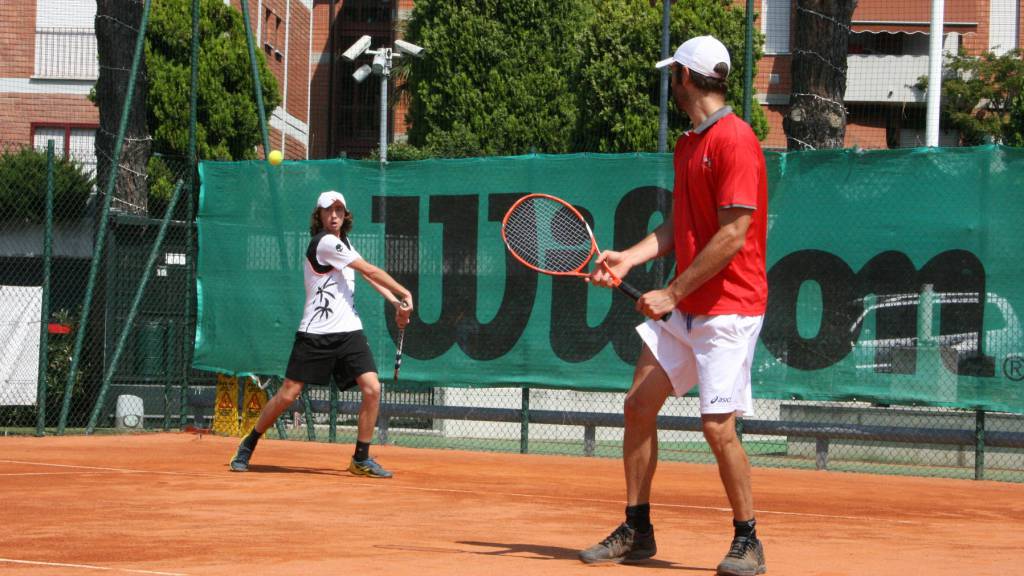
point(893, 275)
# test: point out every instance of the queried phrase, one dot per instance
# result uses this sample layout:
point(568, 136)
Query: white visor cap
point(327, 199)
point(700, 54)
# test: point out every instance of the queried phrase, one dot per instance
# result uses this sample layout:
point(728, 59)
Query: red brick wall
point(297, 52)
point(866, 133)
point(318, 74)
point(776, 136)
point(17, 38)
point(19, 111)
point(298, 63)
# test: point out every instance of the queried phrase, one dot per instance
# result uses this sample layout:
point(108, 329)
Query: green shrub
point(23, 187)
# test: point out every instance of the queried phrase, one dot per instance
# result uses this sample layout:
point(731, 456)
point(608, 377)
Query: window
point(70, 141)
point(775, 19)
point(365, 11)
point(1003, 25)
point(272, 34)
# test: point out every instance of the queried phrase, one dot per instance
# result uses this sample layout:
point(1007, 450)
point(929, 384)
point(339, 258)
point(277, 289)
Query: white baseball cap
point(327, 199)
point(700, 54)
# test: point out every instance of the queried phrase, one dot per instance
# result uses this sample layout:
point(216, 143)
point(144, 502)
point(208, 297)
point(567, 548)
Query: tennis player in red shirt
point(718, 234)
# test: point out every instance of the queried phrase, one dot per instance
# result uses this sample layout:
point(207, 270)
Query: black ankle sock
point(747, 528)
point(362, 451)
point(251, 439)
point(639, 517)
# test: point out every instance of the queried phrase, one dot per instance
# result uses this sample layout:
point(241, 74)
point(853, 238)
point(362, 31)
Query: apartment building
point(888, 53)
point(50, 66)
point(48, 69)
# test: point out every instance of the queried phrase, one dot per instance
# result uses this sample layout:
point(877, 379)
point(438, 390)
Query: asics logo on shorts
point(718, 399)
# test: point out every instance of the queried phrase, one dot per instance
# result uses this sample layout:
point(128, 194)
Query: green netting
point(893, 274)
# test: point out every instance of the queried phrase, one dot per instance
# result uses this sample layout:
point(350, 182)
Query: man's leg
point(633, 540)
point(287, 394)
point(644, 400)
point(733, 465)
point(746, 554)
point(362, 464)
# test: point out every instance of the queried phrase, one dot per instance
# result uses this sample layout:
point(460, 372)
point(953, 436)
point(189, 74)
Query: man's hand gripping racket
point(550, 236)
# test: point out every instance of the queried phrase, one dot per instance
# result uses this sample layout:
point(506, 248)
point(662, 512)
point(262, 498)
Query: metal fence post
point(44, 312)
point(190, 254)
point(524, 422)
point(332, 429)
point(589, 439)
point(979, 445)
point(308, 413)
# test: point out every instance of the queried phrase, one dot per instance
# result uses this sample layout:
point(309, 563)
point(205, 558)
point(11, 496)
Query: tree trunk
point(817, 116)
point(117, 26)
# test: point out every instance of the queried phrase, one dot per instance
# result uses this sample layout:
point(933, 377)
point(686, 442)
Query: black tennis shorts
point(317, 357)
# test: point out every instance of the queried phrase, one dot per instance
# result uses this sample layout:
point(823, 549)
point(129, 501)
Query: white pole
point(931, 133)
point(384, 108)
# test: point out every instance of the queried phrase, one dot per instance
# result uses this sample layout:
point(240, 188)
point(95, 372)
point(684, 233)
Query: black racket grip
point(635, 294)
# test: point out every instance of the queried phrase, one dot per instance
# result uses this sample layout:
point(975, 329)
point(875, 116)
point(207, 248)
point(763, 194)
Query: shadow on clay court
point(543, 552)
point(272, 469)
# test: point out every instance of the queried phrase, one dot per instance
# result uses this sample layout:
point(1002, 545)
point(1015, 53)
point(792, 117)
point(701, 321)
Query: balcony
point(66, 54)
point(884, 78)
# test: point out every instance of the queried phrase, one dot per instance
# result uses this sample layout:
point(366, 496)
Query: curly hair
point(315, 225)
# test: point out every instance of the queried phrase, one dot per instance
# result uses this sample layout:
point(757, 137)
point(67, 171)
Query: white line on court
point(50, 474)
point(376, 484)
point(90, 567)
point(120, 470)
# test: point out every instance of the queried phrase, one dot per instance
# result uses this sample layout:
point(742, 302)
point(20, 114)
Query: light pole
point(382, 62)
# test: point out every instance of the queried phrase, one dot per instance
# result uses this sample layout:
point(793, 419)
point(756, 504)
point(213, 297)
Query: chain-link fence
point(154, 388)
point(45, 273)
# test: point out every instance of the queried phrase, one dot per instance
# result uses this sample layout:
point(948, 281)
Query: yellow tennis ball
point(275, 157)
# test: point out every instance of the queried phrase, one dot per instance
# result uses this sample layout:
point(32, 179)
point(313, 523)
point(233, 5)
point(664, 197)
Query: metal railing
point(66, 54)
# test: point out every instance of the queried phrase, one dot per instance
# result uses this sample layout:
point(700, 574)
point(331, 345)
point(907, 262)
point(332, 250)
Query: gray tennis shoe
point(240, 463)
point(624, 545)
point(745, 558)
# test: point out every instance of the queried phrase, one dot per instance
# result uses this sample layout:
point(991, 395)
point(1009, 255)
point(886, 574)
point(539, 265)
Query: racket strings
point(548, 235)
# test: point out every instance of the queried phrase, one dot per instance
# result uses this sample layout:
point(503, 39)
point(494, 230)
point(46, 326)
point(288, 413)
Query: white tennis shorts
point(715, 352)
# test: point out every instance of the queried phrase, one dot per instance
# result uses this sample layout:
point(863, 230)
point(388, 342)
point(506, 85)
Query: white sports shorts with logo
point(715, 352)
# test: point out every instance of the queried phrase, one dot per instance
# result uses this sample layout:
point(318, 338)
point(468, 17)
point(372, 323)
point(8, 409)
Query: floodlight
point(380, 63)
point(362, 72)
point(356, 50)
point(408, 48)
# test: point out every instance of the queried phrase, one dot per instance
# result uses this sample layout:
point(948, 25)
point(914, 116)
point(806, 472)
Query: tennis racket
point(398, 346)
point(550, 236)
point(398, 352)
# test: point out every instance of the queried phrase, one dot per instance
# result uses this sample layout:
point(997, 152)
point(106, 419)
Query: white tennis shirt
point(330, 286)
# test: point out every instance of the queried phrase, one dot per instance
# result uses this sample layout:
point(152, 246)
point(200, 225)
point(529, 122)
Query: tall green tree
point(983, 98)
point(618, 85)
point(228, 125)
point(552, 76)
point(496, 77)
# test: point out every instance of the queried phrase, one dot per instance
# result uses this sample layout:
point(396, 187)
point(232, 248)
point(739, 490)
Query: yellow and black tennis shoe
point(368, 467)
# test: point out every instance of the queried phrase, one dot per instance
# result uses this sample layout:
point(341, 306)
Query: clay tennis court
point(167, 504)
